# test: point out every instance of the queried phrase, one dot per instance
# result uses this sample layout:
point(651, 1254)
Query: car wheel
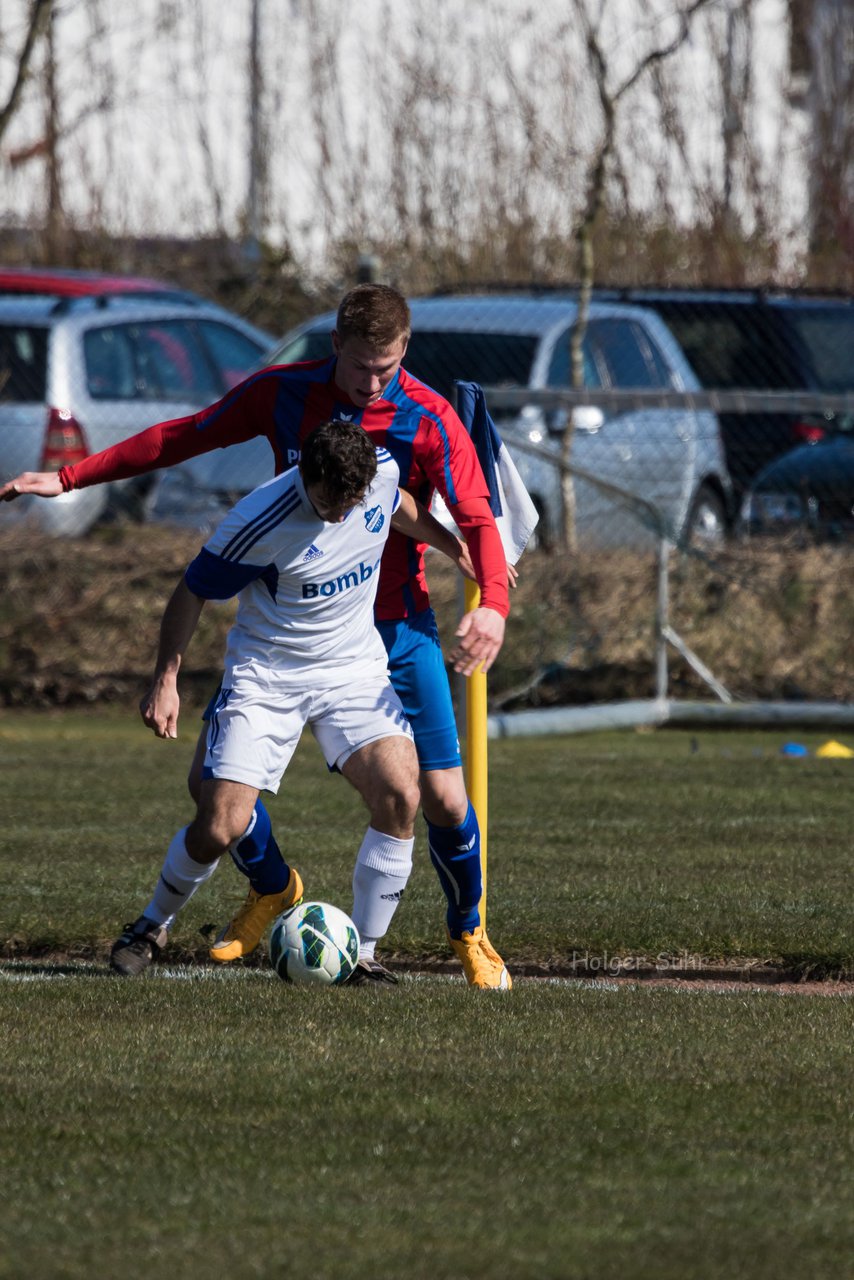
point(706, 524)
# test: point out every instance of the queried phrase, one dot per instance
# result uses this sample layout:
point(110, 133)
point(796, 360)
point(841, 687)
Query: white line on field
point(33, 971)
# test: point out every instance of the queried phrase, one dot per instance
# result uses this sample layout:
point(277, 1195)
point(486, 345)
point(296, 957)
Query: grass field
point(197, 1122)
point(604, 845)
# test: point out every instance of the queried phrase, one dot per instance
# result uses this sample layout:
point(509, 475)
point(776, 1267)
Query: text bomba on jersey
point(344, 582)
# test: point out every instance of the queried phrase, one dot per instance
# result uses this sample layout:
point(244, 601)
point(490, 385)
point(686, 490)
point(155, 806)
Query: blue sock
point(258, 856)
point(455, 853)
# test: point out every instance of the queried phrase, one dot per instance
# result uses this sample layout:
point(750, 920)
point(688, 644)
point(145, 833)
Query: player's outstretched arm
point(241, 414)
point(46, 484)
point(415, 521)
point(160, 706)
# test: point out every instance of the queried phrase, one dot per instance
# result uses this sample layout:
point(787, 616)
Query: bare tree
point(55, 226)
point(831, 108)
point(40, 11)
point(609, 102)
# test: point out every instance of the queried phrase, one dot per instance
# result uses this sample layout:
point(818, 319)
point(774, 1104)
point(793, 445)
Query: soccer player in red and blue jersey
point(364, 382)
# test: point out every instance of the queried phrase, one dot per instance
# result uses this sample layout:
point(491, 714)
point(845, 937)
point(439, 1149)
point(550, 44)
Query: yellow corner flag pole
point(476, 761)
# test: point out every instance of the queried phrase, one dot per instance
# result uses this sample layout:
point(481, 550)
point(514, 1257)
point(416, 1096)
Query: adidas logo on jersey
point(374, 519)
point(313, 553)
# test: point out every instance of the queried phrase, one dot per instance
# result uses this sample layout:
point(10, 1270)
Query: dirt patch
point(682, 969)
point(723, 979)
point(691, 974)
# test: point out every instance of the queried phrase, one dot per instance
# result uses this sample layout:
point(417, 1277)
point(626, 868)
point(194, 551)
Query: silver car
point(672, 458)
point(78, 375)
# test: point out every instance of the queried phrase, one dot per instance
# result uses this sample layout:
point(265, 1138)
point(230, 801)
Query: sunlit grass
point(200, 1122)
point(606, 845)
point(240, 1125)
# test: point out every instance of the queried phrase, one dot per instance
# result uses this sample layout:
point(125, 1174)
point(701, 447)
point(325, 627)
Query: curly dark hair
point(340, 457)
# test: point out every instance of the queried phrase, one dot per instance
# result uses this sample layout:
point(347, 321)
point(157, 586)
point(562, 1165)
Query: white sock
point(379, 879)
point(180, 877)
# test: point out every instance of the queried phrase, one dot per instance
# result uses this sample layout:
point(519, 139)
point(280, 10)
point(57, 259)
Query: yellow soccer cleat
point(482, 964)
point(245, 930)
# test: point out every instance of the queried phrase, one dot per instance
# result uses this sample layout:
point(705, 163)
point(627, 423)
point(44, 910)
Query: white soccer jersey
point(306, 588)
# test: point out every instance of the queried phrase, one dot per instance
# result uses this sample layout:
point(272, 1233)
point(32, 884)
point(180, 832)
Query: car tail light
point(64, 441)
point(808, 432)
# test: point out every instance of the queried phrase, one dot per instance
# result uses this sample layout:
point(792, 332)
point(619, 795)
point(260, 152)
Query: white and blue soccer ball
point(314, 943)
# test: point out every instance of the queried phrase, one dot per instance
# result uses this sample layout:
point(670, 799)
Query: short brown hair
point(377, 314)
point(341, 458)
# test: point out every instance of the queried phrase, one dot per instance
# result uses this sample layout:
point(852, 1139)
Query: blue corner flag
point(509, 500)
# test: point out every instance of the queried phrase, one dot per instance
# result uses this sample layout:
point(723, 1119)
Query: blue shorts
point(418, 674)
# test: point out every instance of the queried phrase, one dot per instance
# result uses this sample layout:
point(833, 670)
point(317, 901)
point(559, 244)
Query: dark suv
point(758, 340)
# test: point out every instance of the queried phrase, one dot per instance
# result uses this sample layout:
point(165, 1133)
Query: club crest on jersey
point(313, 553)
point(374, 519)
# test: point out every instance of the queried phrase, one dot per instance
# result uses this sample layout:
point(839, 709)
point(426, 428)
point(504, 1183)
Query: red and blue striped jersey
point(285, 403)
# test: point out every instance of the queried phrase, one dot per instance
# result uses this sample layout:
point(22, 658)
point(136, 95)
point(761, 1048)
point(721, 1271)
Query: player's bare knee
point(393, 810)
point(443, 797)
point(224, 811)
point(204, 842)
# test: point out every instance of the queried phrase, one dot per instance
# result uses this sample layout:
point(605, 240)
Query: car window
point(559, 365)
point(828, 335)
point(315, 345)
point(662, 373)
point(492, 359)
point(442, 358)
point(730, 346)
point(157, 360)
point(627, 359)
point(234, 354)
point(108, 358)
point(23, 363)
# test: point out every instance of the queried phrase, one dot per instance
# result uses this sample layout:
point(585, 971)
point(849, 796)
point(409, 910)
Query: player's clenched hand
point(480, 636)
point(159, 709)
point(46, 484)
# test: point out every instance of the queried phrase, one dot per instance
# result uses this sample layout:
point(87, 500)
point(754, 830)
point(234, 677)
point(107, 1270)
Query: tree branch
point(39, 14)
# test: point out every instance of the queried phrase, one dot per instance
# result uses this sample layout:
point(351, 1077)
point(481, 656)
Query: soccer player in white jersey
point(302, 553)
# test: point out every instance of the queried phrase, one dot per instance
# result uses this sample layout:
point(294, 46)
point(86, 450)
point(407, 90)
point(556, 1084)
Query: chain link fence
point(710, 525)
point(759, 618)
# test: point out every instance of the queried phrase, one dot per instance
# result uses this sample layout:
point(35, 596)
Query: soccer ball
point(314, 943)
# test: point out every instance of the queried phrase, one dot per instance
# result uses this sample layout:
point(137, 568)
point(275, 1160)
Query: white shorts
point(254, 728)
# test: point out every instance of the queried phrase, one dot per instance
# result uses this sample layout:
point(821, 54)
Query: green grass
point(202, 1122)
point(238, 1126)
point(607, 845)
